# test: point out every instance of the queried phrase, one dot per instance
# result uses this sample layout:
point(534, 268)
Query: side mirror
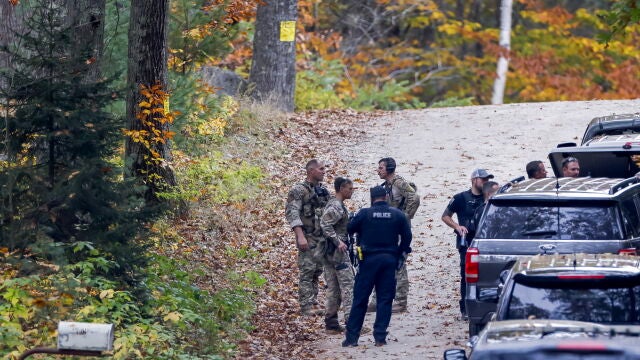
point(85, 336)
point(455, 354)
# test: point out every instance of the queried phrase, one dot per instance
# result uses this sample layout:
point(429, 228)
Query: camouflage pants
point(338, 275)
point(402, 287)
point(310, 268)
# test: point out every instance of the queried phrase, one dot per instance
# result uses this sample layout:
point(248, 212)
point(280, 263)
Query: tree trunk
point(148, 67)
point(87, 17)
point(273, 72)
point(505, 45)
point(11, 24)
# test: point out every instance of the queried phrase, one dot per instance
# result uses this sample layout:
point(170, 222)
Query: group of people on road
point(381, 234)
point(328, 237)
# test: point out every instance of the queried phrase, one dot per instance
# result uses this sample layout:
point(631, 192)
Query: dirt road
point(437, 149)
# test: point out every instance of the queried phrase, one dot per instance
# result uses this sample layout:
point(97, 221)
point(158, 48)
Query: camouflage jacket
point(305, 203)
point(334, 220)
point(402, 195)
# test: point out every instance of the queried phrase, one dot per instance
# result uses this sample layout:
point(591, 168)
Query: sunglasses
point(565, 161)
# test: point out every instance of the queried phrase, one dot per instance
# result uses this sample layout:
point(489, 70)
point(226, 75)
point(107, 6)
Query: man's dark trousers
point(463, 280)
point(379, 271)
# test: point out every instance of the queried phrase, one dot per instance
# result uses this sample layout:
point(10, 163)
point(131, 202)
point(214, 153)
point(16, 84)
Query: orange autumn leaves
point(154, 116)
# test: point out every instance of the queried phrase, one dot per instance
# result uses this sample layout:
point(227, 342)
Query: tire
point(475, 328)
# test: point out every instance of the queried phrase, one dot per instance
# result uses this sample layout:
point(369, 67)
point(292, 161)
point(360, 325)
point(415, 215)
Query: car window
point(630, 216)
point(579, 220)
point(617, 305)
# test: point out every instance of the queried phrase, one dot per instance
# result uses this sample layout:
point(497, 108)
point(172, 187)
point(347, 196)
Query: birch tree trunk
point(505, 46)
point(273, 71)
point(147, 66)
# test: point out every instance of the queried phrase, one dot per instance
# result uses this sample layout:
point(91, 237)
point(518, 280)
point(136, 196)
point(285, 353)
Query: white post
point(505, 45)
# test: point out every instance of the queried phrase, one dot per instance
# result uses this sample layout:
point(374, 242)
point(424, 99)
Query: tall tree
point(59, 194)
point(87, 19)
point(505, 46)
point(273, 72)
point(11, 24)
point(147, 149)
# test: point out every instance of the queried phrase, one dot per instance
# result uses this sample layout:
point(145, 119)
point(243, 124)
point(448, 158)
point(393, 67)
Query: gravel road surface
point(438, 149)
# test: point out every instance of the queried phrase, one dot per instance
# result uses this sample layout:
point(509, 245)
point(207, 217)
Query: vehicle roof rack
point(512, 182)
point(623, 184)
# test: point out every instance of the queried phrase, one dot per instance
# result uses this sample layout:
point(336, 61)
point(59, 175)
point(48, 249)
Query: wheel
point(475, 328)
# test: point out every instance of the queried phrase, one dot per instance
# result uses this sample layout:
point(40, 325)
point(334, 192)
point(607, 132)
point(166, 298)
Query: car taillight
point(628, 251)
point(471, 265)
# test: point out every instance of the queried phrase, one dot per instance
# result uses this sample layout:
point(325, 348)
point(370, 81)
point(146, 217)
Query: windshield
point(578, 220)
point(605, 305)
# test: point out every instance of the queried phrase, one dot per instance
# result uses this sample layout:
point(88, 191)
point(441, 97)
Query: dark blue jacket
point(381, 228)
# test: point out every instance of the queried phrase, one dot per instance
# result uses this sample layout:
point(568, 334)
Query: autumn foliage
point(440, 50)
point(154, 117)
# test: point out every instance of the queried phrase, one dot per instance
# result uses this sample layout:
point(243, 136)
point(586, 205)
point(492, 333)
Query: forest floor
point(435, 148)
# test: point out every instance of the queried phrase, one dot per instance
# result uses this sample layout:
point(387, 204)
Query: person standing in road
point(402, 195)
point(536, 170)
point(464, 204)
point(384, 236)
point(338, 272)
point(305, 203)
point(570, 167)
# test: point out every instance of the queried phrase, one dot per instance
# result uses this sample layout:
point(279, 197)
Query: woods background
point(147, 146)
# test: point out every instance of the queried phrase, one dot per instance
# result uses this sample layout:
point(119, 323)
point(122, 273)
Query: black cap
point(377, 192)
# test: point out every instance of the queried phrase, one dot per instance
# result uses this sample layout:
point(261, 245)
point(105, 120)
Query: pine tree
point(61, 193)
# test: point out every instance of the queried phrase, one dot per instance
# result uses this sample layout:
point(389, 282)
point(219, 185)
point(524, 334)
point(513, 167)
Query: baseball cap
point(377, 192)
point(481, 173)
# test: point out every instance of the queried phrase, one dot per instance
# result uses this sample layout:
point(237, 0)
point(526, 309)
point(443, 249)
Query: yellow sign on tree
point(287, 30)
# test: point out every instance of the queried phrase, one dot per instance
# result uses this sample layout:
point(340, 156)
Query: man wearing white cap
point(464, 204)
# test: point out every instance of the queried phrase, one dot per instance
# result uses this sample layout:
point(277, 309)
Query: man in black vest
point(464, 205)
point(384, 236)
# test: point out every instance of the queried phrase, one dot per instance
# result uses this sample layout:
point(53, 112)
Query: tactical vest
point(313, 203)
point(471, 204)
point(401, 203)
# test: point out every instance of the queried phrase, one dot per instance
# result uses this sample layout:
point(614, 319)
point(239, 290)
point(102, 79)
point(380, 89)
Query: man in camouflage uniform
point(305, 203)
point(337, 267)
point(403, 196)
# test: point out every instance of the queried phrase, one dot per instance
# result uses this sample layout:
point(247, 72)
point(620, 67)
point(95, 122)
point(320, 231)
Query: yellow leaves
point(173, 316)
point(154, 117)
point(108, 294)
point(459, 28)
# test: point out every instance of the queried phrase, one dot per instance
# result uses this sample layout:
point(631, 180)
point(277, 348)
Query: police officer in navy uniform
point(384, 236)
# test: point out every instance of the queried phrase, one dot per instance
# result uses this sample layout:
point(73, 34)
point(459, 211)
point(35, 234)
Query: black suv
point(612, 125)
point(599, 288)
point(547, 216)
point(545, 339)
point(610, 148)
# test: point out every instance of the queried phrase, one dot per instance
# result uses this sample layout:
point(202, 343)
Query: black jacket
point(381, 228)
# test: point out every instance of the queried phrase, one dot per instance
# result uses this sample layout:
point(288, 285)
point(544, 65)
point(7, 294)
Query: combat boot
point(334, 329)
point(313, 310)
